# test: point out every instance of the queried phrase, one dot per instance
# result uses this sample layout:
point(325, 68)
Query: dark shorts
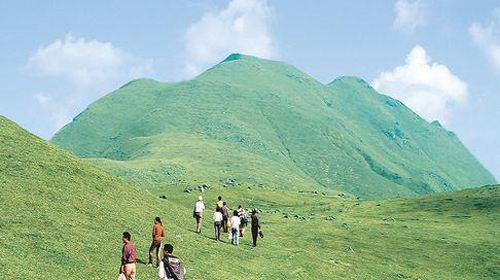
point(197, 216)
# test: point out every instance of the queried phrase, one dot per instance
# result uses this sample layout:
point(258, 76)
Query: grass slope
point(267, 123)
point(61, 218)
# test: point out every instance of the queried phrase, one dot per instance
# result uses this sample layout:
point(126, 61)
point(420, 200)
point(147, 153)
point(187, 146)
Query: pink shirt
point(129, 253)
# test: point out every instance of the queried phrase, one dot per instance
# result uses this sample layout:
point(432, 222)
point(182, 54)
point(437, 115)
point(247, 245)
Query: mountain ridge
point(343, 135)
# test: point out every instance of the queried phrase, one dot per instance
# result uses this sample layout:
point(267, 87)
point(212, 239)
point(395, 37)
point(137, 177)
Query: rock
point(400, 275)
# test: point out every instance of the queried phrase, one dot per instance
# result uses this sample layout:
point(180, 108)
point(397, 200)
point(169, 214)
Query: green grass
point(267, 123)
point(62, 217)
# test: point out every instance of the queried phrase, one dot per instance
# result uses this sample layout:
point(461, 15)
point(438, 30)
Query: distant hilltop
point(265, 123)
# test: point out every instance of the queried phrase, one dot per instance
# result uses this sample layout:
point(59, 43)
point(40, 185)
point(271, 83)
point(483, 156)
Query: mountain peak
point(237, 56)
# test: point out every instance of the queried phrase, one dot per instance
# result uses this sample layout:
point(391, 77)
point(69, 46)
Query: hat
point(200, 198)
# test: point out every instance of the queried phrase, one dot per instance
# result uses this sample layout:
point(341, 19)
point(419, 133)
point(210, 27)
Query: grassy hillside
point(267, 123)
point(61, 218)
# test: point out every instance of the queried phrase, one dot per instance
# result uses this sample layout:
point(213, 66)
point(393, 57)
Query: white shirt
point(235, 222)
point(199, 207)
point(217, 216)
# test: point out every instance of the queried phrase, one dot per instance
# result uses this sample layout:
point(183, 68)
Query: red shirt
point(129, 254)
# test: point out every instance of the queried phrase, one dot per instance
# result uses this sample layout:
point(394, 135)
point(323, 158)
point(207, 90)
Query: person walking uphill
point(219, 203)
point(157, 233)
point(225, 216)
point(235, 228)
point(255, 227)
point(217, 224)
point(244, 220)
point(199, 207)
point(129, 255)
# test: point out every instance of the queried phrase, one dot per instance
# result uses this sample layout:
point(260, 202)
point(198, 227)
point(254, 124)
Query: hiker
point(225, 216)
point(235, 228)
point(217, 223)
point(244, 220)
point(157, 233)
point(171, 267)
point(220, 203)
point(256, 231)
point(129, 256)
point(199, 206)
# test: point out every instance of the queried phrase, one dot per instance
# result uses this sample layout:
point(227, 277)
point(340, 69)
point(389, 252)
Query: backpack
point(173, 268)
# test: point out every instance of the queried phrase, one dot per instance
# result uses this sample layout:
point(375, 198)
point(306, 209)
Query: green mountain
point(264, 123)
point(61, 218)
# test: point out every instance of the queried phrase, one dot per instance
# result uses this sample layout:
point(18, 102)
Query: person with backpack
point(171, 267)
point(128, 269)
point(157, 233)
point(256, 231)
point(199, 207)
point(217, 223)
point(225, 216)
point(235, 228)
point(244, 220)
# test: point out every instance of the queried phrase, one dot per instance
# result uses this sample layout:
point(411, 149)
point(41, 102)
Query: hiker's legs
point(130, 271)
point(155, 247)
point(234, 232)
point(236, 236)
point(151, 252)
point(224, 224)
point(198, 224)
point(158, 251)
point(215, 230)
point(242, 230)
point(217, 227)
point(255, 233)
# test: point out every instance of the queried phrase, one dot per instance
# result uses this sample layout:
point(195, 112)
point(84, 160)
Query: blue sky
point(441, 58)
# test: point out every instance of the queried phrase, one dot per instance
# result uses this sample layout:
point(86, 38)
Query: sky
point(441, 58)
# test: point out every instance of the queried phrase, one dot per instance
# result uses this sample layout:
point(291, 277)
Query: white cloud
point(243, 26)
point(487, 37)
point(409, 15)
point(428, 88)
point(92, 69)
point(42, 98)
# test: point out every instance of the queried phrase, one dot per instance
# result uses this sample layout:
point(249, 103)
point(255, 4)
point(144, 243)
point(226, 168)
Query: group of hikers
point(234, 225)
point(169, 266)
